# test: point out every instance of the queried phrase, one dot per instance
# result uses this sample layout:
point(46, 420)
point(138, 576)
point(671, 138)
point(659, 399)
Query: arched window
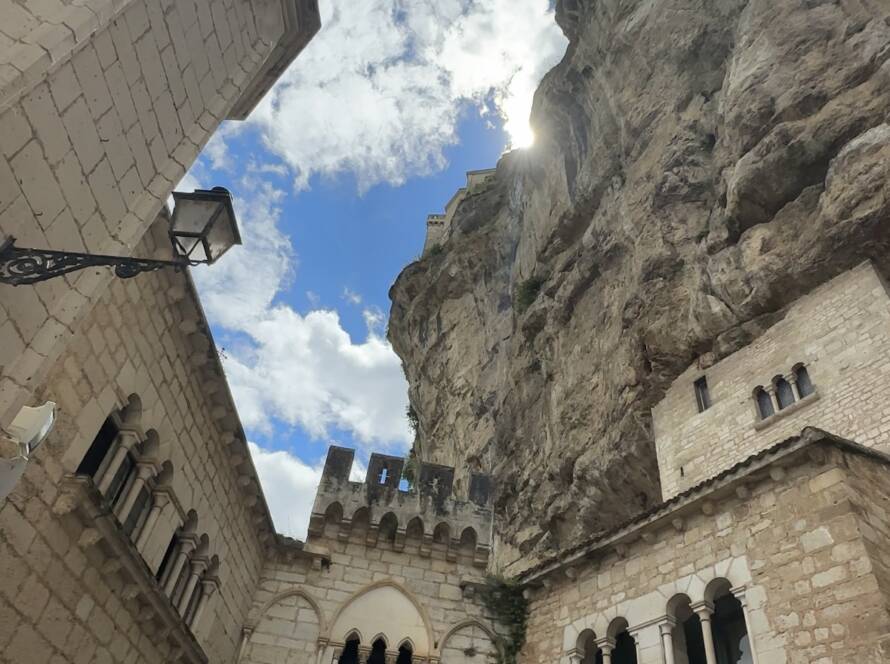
point(804, 385)
point(688, 639)
point(389, 524)
point(378, 652)
point(764, 403)
point(350, 652)
point(784, 393)
point(624, 650)
point(405, 654)
point(728, 625)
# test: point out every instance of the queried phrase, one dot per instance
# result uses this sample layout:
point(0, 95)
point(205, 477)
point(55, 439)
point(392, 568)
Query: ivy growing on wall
point(505, 601)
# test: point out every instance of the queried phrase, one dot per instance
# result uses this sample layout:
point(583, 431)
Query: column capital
point(606, 644)
point(666, 626)
point(161, 496)
point(210, 585)
point(128, 437)
point(704, 609)
point(575, 656)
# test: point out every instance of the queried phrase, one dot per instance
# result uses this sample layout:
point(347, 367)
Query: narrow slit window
point(702, 395)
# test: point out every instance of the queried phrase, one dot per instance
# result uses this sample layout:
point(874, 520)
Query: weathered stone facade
point(404, 565)
point(798, 534)
point(840, 332)
point(104, 105)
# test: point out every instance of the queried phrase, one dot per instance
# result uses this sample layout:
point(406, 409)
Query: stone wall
point(839, 331)
point(73, 588)
point(792, 536)
point(431, 598)
point(103, 107)
point(406, 565)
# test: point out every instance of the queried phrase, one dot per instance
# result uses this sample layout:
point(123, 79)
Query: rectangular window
point(702, 396)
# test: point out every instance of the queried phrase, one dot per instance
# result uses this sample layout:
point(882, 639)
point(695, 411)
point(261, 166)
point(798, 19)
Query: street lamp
point(203, 228)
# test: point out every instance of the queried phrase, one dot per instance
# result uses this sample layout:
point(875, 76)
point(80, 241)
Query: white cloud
point(379, 90)
point(289, 486)
point(303, 370)
point(351, 296)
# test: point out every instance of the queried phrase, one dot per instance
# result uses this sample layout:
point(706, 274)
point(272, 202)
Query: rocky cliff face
point(699, 165)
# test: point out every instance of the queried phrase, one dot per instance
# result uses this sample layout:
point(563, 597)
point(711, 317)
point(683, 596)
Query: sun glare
point(521, 136)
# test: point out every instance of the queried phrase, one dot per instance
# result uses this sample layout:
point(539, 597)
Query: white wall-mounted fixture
point(28, 429)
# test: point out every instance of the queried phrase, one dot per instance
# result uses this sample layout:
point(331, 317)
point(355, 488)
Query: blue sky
point(333, 176)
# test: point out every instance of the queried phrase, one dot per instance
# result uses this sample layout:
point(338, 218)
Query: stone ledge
point(760, 425)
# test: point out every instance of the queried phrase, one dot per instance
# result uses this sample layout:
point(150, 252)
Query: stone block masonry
point(72, 589)
point(798, 534)
point(840, 332)
point(104, 105)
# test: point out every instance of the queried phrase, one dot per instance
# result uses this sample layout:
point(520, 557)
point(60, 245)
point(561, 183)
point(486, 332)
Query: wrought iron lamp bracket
point(21, 266)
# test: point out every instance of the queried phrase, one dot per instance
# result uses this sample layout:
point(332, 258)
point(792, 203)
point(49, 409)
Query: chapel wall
point(103, 107)
point(840, 332)
point(796, 546)
point(401, 563)
point(64, 595)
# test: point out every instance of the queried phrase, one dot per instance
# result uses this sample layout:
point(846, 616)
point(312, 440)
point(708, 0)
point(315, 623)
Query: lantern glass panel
point(222, 234)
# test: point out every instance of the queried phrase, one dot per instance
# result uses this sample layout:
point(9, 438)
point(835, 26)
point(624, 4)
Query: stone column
point(771, 391)
point(209, 584)
point(704, 611)
point(606, 646)
point(126, 441)
point(739, 594)
point(363, 653)
point(144, 472)
point(246, 633)
point(161, 500)
point(187, 544)
point(198, 565)
point(667, 640)
point(792, 381)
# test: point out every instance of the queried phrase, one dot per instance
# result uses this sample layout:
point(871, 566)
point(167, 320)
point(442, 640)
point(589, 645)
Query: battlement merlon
point(429, 503)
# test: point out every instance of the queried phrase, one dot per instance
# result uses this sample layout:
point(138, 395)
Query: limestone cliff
point(699, 164)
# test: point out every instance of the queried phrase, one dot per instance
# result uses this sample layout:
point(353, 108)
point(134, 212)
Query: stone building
point(438, 225)
point(139, 531)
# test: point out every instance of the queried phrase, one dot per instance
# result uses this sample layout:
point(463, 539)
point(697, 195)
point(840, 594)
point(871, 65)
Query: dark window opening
point(350, 653)
point(405, 655)
point(764, 403)
point(730, 632)
point(625, 651)
point(378, 652)
point(167, 560)
point(139, 511)
point(702, 395)
point(121, 480)
point(695, 642)
point(784, 393)
point(99, 449)
point(804, 384)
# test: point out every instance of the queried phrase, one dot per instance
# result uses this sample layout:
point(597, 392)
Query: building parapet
point(427, 510)
point(437, 225)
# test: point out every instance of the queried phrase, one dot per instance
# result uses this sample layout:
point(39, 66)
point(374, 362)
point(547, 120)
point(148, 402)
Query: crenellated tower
point(383, 508)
